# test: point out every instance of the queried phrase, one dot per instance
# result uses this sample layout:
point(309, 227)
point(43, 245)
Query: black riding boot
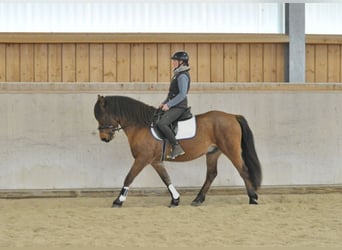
point(176, 151)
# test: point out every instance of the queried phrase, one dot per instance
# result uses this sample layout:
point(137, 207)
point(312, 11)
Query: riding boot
point(177, 150)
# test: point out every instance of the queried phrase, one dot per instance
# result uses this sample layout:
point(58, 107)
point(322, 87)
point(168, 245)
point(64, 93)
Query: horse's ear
point(101, 100)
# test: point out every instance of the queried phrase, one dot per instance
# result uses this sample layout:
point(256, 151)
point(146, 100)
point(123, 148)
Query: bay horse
point(217, 133)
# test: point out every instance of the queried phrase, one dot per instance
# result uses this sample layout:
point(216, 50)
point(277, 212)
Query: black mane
point(134, 111)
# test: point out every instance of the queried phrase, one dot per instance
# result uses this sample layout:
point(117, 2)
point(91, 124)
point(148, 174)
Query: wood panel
point(109, 63)
point(164, 63)
point(2, 62)
point(96, 63)
point(82, 63)
point(26, 63)
point(334, 63)
point(340, 63)
point(243, 69)
point(137, 62)
point(123, 62)
point(321, 65)
point(55, 63)
point(256, 62)
point(216, 63)
point(12, 63)
point(230, 63)
point(40, 63)
point(280, 63)
point(270, 63)
point(150, 63)
point(310, 68)
point(69, 63)
point(204, 63)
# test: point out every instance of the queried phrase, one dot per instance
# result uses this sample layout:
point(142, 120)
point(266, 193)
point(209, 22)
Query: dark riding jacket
point(179, 87)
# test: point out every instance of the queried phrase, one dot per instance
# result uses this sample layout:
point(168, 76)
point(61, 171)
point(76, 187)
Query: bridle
point(111, 127)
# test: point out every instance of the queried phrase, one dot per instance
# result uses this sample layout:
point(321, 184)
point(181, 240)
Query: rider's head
point(181, 57)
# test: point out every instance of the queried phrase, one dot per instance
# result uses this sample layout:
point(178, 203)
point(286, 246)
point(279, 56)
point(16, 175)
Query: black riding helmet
point(181, 55)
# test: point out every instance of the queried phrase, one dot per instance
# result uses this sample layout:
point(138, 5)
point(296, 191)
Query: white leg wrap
point(173, 191)
point(123, 194)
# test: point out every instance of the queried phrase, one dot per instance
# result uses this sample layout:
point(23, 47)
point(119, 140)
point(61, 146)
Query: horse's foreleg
point(211, 174)
point(133, 172)
point(161, 170)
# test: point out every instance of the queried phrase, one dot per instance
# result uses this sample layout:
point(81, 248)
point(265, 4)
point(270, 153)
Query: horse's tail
point(249, 154)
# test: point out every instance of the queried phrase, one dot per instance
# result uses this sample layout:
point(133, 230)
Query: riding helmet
point(181, 55)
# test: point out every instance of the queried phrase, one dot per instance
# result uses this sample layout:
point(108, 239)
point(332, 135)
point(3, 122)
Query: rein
point(156, 116)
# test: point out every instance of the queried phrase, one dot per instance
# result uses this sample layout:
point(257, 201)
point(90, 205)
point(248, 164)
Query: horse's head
point(107, 124)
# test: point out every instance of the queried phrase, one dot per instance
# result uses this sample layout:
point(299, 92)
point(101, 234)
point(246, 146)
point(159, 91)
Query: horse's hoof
point(253, 202)
point(196, 203)
point(174, 203)
point(117, 203)
point(253, 199)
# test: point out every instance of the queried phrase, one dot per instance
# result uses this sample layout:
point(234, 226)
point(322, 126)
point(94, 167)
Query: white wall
point(212, 16)
point(140, 16)
point(50, 140)
point(323, 18)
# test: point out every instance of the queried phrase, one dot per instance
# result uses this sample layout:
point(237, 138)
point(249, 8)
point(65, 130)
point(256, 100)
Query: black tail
point(249, 154)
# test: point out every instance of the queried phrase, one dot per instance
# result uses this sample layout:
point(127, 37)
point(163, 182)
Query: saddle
point(183, 128)
point(186, 123)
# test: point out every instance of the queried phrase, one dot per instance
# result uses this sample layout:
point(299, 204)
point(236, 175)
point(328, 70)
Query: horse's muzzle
point(105, 140)
point(106, 137)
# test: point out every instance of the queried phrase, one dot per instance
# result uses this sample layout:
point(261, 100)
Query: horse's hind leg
point(236, 159)
point(211, 174)
point(161, 170)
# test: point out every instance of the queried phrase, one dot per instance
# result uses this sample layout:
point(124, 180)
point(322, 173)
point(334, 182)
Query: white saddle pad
point(186, 129)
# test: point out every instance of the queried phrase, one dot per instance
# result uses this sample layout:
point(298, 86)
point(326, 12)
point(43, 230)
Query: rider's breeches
point(163, 125)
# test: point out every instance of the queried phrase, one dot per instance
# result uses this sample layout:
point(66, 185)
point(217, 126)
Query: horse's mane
point(134, 111)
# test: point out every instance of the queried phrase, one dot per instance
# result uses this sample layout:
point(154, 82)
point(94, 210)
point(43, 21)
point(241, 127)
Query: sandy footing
point(302, 220)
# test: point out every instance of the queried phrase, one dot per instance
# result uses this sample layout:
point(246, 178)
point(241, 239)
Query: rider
point(176, 102)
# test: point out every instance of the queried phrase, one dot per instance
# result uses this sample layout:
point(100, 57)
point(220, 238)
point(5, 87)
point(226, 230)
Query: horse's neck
point(135, 134)
point(125, 124)
point(128, 126)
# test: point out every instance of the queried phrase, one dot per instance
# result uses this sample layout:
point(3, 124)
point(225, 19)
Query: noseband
point(111, 127)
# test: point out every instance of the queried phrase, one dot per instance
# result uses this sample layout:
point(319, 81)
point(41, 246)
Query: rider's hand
point(165, 107)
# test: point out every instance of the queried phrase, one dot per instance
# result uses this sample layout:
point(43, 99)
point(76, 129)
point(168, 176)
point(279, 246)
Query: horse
point(217, 133)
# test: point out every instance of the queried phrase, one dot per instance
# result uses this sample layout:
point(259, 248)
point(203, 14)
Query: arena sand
point(302, 220)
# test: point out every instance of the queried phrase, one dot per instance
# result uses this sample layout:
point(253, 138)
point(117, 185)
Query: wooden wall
point(140, 62)
point(140, 58)
point(323, 58)
point(39, 57)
